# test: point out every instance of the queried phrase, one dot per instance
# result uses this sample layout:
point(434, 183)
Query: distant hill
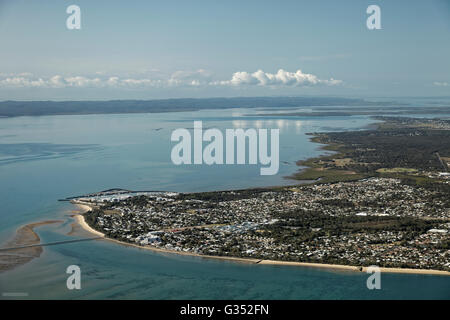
point(41, 108)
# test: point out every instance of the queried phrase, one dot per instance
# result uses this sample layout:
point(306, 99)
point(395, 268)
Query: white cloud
point(130, 82)
point(113, 81)
point(441, 84)
point(281, 78)
point(196, 78)
point(21, 82)
point(193, 78)
point(58, 81)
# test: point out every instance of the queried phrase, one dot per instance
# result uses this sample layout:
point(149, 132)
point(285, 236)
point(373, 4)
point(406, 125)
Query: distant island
point(382, 199)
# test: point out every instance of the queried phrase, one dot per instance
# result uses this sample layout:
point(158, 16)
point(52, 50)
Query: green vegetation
point(399, 148)
point(304, 221)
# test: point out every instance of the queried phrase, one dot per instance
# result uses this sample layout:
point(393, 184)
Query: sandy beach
point(80, 219)
point(355, 268)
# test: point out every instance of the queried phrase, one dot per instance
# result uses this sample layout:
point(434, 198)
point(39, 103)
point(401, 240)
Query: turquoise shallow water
point(43, 159)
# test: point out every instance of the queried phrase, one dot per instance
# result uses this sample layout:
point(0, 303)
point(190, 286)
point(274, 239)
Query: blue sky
point(165, 49)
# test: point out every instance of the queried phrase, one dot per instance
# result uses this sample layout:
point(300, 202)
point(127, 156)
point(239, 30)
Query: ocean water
point(43, 159)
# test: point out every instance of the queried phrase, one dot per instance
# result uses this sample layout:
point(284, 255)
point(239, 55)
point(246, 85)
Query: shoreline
point(85, 208)
point(80, 220)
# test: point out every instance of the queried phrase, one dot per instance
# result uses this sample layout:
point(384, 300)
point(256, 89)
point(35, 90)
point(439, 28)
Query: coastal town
point(372, 221)
point(382, 198)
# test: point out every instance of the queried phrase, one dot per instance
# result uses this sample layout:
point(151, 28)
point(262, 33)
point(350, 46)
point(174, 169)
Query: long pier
point(49, 244)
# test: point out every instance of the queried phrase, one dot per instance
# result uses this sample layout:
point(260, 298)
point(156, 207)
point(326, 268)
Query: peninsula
point(379, 202)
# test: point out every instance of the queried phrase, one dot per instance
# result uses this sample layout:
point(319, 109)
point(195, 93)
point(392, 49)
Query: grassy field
point(342, 166)
point(397, 170)
point(328, 175)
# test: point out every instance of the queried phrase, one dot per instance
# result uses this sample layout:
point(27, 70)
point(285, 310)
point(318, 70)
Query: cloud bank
point(196, 78)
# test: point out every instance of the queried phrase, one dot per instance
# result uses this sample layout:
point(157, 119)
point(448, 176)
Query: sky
point(206, 48)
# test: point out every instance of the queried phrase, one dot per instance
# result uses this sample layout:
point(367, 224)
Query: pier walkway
point(49, 243)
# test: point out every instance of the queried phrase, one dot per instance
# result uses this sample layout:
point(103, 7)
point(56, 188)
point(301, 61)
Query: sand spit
point(24, 236)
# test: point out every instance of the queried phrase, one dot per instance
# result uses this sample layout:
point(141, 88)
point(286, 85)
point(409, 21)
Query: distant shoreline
point(85, 208)
point(89, 107)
